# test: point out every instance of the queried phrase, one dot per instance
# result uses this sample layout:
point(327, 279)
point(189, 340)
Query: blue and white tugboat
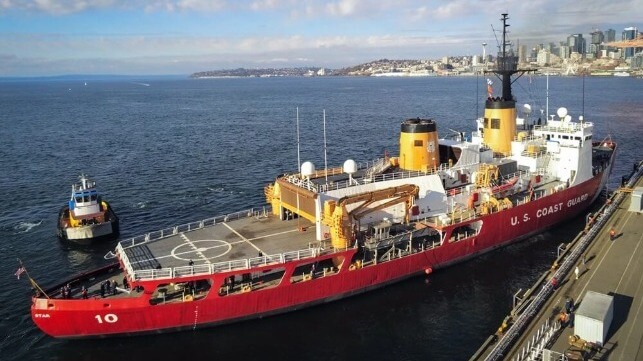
point(86, 217)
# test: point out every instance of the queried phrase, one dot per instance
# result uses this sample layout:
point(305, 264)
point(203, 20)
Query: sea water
point(166, 151)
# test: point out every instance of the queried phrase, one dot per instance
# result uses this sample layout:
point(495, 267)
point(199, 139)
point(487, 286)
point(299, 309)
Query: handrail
point(304, 183)
point(207, 269)
point(171, 231)
point(570, 127)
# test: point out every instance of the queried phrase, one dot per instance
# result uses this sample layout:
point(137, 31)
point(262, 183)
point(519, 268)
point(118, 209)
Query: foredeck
point(218, 245)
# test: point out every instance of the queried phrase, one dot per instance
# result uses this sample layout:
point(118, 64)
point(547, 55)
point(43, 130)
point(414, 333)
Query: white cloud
point(100, 54)
point(396, 29)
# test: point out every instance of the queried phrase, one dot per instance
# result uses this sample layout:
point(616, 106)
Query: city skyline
point(58, 37)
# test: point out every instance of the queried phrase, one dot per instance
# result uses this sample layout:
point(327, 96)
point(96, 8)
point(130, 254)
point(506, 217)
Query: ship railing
point(125, 261)
point(568, 127)
point(296, 180)
point(187, 227)
point(202, 269)
point(302, 182)
point(153, 274)
point(378, 167)
point(206, 269)
point(519, 174)
point(230, 265)
point(265, 260)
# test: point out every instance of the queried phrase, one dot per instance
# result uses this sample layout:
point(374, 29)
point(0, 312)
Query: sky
point(157, 37)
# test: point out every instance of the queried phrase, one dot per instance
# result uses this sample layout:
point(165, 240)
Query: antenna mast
point(507, 63)
point(298, 158)
point(325, 158)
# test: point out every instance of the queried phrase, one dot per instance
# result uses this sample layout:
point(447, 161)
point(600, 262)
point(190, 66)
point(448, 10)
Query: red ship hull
point(110, 317)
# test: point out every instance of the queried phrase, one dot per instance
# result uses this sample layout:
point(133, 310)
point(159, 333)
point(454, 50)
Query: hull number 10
point(109, 318)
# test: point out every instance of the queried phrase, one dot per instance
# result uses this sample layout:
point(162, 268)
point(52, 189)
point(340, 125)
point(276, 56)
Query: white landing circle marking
point(205, 249)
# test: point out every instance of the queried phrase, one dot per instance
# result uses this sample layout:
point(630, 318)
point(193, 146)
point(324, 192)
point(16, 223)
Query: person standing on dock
point(612, 234)
point(577, 272)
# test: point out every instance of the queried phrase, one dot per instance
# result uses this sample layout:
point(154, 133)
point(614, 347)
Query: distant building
point(610, 35)
point(321, 72)
point(522, 54)
point(543, 57)
point(629, 34)
point(445, 60)
point(637, 61)
point(597, 39)
point(576, 43)
point(564, 51)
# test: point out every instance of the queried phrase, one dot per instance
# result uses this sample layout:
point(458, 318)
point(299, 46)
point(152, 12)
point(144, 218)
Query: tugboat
point(86, 217)
point(339, 232)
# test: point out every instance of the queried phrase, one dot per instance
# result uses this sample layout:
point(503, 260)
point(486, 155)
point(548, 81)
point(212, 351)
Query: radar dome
point(350, 166)
point(307, 169)
point(562, 112)
point(568, 118)
point(527, 108)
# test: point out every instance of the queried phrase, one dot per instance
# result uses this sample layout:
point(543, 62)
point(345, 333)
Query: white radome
point(307, 169)
point(350, 166)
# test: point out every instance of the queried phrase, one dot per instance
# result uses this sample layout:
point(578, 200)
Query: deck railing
point(390, 176)
point(172, 231)
point(207, 269)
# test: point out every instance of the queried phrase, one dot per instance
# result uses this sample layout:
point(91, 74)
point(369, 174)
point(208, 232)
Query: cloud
point(56, 7)
point(185, 5)
point(36, 54)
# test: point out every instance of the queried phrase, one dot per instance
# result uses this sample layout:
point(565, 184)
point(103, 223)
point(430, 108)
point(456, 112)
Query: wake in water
point(24, 227)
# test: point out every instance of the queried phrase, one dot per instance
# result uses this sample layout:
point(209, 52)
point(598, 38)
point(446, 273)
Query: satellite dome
point(562, 112)
point(350, 166)
point(307, 169)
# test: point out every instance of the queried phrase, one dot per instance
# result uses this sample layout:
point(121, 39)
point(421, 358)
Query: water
point(181, 150)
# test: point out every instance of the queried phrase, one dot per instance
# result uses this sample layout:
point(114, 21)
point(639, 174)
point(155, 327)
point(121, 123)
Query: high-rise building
point(543, 57)
point(576, 43)
point(610, 36)
point(596, 39)
point(563, 50)
point(522, 54)
point(630, 33)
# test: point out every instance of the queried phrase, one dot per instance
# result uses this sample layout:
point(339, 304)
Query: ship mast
point(507, 63)
point(500, 112)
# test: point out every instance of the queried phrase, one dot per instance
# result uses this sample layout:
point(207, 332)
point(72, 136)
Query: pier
point(605, 258)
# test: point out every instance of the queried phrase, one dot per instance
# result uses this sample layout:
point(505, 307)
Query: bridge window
point(486, 122)
point(495, 123)
point(418, 143)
